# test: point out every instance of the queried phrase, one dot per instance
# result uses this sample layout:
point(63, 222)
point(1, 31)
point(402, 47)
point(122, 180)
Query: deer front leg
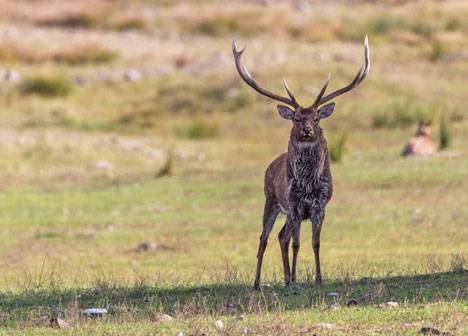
point(295, 248)
point(317, 219)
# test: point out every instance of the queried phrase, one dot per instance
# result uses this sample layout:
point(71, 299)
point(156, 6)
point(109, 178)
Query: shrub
point(337, 147)
point(78, 20)
point(167, 168)
point(380, 120)
point(83, 54)
point(437, 51)
point(52, 86)
point(403, 113)
point(199, 129)
point(131, 23)
point(444, 134)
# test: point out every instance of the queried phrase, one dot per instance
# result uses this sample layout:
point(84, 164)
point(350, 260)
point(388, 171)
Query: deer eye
point(316, 119)
point(297, 119)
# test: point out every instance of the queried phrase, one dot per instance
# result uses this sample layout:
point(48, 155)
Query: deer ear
point(285, 112)
point(326, 110)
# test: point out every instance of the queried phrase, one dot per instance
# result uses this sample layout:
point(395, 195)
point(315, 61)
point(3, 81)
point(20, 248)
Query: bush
point(53, 86)
point(404, 113)
point(437, 51)
point(199, 130)
point(337, 147)
point(91, 53)
point(167, 168)
point(79, 20)
point(444, 134)
point(131, 23)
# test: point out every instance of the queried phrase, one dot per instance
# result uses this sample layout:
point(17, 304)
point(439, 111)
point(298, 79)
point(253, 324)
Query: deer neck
point(307, 159)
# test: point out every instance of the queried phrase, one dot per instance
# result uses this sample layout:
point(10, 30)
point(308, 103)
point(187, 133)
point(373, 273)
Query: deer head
point(305, 119)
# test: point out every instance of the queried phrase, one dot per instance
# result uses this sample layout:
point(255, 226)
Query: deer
point(421, 143)
point(298, 183)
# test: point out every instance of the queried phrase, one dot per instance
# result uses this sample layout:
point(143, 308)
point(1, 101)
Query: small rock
point(103, 164)
point(180, 333)
point(324, 325)
point(240, 317)
point(132, 75)
point(12, 76)
point(94, 312)
point(147, 246)
point(166, 318)
point(335, 306)
point(219, 325)
point(58, 323)
point(247, 330)
point(334, 294)
point(389, 304)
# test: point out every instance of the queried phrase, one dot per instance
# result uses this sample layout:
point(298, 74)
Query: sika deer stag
point(298, 183)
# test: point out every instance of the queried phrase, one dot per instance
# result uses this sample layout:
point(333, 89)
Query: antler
point(356, 81)
point(245, 75)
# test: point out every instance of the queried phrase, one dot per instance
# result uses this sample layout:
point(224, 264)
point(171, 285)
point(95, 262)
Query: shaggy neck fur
point(307, 160)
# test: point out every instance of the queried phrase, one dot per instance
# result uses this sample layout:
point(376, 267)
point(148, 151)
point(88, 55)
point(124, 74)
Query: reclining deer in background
point(298, 183)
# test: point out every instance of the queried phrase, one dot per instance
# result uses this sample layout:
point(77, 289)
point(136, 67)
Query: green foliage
point(403, 113)
point(199, 129)
point(217, 26)
point(47, 86)
point(84, 54)
point(78, 20)
point(444, 134)
point(168, 167)
point(131, 23)
point(337, 148)
point(437, 51)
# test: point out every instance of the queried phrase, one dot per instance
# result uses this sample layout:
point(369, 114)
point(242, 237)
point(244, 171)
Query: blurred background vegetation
point(125, 121)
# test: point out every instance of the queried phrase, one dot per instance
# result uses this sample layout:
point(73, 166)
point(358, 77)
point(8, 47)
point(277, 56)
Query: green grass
point(85, 178)
point(47, 86)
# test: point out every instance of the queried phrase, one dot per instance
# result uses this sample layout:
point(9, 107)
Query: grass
point(49, 87)
point(85, 54)
point(82, 186)
point(444, 134)
point(337, 148)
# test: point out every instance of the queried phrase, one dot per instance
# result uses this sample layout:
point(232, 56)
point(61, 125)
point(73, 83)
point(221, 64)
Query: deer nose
point(307, 130)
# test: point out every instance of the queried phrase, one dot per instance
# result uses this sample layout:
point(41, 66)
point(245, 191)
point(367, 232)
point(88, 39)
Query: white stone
point(219, 325)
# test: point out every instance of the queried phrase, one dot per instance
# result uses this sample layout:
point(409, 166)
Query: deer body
point(298, 183)
point(421, 143)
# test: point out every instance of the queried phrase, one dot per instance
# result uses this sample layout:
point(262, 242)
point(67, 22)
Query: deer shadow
point(236, 297)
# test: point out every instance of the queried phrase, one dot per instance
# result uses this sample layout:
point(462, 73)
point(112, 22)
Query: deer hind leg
point(270, 213)
point(284, 238)
point(295, 248)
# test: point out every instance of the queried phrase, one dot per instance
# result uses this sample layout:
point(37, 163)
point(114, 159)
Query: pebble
point(219, 325)
point(166, 318)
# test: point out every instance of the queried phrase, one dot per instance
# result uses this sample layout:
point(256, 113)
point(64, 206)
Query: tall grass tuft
point(47, 86)
point(444, 134)
point(337, 148)
point(168, 166)
point(199, 129)
point(437, 51)
point(85, 54)
point(78, 20)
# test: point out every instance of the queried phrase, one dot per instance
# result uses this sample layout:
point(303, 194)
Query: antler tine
point(322, 91)
point(289, 92)
point(245, 75)
point(356, 81)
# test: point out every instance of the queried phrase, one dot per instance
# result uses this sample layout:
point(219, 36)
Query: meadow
point(132, 160)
